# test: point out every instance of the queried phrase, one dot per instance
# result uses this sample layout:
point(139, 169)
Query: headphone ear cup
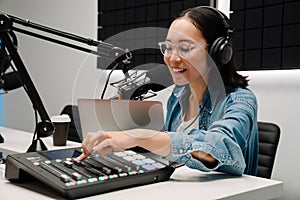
point(214, 50)
point(221, 51)
point(225, 52)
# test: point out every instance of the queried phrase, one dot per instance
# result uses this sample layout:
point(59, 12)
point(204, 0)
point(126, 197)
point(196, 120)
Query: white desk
point(185, 183)
point(16, 141)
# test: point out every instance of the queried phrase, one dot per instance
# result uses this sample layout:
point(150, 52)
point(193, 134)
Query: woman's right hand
point(104, 142)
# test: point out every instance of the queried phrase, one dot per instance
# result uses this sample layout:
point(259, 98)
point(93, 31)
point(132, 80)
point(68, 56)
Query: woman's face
point(186, 68)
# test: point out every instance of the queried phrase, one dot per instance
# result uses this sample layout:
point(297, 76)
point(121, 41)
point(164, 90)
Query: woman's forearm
point(154, 141)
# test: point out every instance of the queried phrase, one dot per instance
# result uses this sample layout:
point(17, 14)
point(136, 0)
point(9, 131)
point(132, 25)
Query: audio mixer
point(96, 174)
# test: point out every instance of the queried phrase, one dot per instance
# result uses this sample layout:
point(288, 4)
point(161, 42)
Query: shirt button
point(180, 151)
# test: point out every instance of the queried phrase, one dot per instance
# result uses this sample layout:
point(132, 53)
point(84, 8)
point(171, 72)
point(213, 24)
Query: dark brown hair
point(211, 24)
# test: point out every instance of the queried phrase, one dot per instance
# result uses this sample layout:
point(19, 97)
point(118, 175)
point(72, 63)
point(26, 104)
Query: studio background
point(61, 75)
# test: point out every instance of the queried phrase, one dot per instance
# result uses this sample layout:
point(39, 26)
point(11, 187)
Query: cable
point(107, 80)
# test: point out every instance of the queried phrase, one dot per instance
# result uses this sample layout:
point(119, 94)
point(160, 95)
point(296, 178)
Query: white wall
point(278, 94)
point(61, 75)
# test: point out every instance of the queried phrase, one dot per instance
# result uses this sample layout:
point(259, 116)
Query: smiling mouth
point(178, 70)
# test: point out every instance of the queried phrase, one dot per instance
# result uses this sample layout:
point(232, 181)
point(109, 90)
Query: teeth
point(178, 70)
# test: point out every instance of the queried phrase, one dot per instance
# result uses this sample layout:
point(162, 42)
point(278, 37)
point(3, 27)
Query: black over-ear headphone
point(221, 49)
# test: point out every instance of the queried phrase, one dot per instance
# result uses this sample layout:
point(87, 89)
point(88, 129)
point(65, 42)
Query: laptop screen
point(116, 115)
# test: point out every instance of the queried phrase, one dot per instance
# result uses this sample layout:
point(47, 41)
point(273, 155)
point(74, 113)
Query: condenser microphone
point(10, 81)
point(137, 85)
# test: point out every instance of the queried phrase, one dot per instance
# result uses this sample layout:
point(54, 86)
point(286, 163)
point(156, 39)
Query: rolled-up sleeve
point(225, 139)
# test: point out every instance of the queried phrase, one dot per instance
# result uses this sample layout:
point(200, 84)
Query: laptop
point(119, 115)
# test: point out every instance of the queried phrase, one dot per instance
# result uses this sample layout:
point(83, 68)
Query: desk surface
point(184, 183)
point(16, 141)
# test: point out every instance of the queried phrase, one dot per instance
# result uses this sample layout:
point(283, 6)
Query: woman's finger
point(81, 157)
point(99, 148)
point(84, 155)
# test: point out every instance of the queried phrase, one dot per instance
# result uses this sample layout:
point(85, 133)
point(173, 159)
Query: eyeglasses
point(183, 48)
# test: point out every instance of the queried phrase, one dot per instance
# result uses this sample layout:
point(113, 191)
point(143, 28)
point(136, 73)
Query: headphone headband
point(221, 49)
point(222, 16)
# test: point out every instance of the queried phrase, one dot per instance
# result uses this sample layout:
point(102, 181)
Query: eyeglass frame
point(190, 45)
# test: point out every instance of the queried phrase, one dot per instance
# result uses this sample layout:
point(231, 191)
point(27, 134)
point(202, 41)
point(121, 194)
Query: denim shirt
point(227, 131)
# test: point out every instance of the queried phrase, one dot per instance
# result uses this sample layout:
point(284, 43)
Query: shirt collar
point(183, 93)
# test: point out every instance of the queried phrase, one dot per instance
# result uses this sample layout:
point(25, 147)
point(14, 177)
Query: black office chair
point(269, 135)
point(74, 126)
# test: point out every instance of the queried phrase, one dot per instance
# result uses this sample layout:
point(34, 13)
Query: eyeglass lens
point(182, 48)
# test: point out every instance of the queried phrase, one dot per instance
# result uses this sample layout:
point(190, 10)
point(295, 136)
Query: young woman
point(211, 121)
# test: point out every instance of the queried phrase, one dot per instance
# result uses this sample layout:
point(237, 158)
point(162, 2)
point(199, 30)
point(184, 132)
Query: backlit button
point(139, 156)
point(129, 152)
point(73, 183)
point(148, 167)
point(68, 184)
point(148, 160)
point(112, 176)
point(83, 181)
point(129, 158)
point(47, 161)
point(103, 178)
point(138, 162)
point(158, 165)
point(122, 174)
point(132, 173)
point(120, 154)
point(91, 180)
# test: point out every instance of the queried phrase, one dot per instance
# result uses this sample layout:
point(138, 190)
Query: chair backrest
point(269, 134)
point(74, 126)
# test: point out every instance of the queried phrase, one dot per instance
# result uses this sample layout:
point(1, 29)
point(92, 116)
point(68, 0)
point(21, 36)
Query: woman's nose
point(175, 57)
